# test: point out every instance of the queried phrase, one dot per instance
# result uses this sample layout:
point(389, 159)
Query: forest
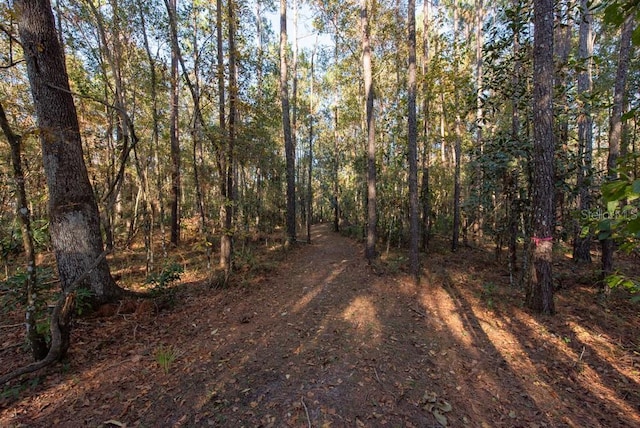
point(319, 213)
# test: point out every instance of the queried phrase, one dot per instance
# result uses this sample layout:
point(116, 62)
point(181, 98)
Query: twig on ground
point(377, 377)
point(10, 347)
point(422, 314)
point(306, 411)
point(12, 325)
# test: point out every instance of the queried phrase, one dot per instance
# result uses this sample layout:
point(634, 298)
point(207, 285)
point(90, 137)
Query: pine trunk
point(286, 128)
point(540, 291)
point(175, 142)
point(582, 244)
point(615, 134)
point(414, 232)
point(372, 220)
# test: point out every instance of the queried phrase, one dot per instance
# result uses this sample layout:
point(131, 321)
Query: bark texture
point(372, 216)
point(615, 133)
point(73, 212)
point(289, 147)
point(582, 244)
point(36, 340)
point(540, 291)
point(414, 224)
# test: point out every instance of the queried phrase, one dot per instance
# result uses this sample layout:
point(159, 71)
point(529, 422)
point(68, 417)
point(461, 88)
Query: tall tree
point(157, 208)
point(73, 212)
point(582, 244)
point(372, 219)
point(426, 125)
point(174, 125)
point(479, 66)
point(35, 339)
point(335, 197)
point(286, 128)
point(512, 176)
point(309, 209)
point(227, 238)
point(457, 148)
point(615, 132)
point(539, 296)
point(144, 172)
point(225, 192)
point(412, 153)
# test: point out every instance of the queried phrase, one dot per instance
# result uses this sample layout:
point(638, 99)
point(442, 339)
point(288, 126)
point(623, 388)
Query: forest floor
point(314, 337)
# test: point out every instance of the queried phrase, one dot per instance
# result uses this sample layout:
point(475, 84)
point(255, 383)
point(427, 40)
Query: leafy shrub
point(169, 274)
point(620, 221)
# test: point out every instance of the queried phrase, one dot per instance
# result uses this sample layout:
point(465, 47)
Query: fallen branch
point(59, 326)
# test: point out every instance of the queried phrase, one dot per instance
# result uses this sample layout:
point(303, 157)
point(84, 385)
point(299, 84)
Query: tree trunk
point(457, 148)
point(36, 340)
point(124, 135)
point(310, 170)
point(582, 244)
point(174, 137)
point(73, 212)
point(426, 107)
point(615, 134)
point(286, 128)
point(196, 132)
point(539, 296)
point(225, 242)
point(372, 220)
point(514, 210)
point(155, 137)
point(227, 233)
point(336, 170)
point(476, 223)
point(414, 232)
point(563, 30)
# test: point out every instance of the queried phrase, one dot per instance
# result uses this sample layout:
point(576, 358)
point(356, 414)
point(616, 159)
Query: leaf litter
point(323, 340)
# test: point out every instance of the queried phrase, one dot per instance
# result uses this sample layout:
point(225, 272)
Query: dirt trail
point(325, 341)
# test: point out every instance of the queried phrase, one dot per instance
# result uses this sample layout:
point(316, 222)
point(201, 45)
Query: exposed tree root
point(59, 326)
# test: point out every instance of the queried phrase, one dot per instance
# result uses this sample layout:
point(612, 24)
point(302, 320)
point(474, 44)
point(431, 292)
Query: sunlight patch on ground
point(437, 300)
point(313, 293)
point(585, 375)
point(603, 345)
point(517, 358)
point(473, 335)
point(407, 285)
point(588, 374)
point(362, 315)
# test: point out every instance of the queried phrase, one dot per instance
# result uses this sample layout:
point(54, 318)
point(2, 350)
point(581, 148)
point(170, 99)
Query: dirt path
point(324, 341)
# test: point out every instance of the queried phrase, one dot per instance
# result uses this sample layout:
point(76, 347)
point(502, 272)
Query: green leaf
point(611, 207)
point(584, 232)
point(613, 15)
point(614, 190)
point(635, 187)
point(635, 38)
point(631, 113)
point(633, 227)
point(614, 280)
point(605, 225)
